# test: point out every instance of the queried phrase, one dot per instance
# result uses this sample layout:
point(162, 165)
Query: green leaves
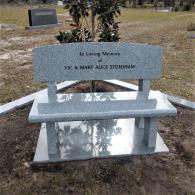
point(74, 35)
point(107, 11)
point(104, 10)
point(109, 33)
point(79, 9)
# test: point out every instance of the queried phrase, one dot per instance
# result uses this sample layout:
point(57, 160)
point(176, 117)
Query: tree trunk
point(155, 4)
point(92, 83)
point(134, 3)
point(166, 3)
point(172, 3)
point(141, 3)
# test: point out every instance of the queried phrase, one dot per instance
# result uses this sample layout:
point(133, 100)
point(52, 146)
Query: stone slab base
point(43, 26)
point(80, 140)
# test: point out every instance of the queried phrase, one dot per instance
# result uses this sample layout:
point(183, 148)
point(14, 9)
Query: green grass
point(19, 14)
point(134, 15)
point(166, 29)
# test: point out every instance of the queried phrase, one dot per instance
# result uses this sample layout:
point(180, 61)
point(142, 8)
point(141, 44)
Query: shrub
point(105, 11)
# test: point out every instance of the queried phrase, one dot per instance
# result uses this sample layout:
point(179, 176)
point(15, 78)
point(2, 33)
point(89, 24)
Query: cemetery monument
point(90, 125)
point(42, 18)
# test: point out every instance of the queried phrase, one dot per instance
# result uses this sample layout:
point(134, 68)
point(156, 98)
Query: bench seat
point(91, 106)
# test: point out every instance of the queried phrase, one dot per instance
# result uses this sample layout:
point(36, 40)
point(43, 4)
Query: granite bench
point(100, 61)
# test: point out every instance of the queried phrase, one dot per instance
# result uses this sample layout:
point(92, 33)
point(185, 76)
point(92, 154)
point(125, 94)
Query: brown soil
point(171, 173)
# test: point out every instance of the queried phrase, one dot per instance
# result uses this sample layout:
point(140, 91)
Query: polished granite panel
point(97, 61)
point(81, 140)
point(85, 106)
point(42, 16)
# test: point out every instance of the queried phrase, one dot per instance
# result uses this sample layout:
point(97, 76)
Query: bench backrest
point(98, 61)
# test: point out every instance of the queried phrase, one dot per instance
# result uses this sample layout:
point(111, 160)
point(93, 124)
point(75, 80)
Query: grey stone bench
point(100, 61)
point(75, 107)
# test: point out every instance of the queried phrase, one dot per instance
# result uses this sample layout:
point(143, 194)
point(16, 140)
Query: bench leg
point(51, 138)
point(139, 122)
point(150, 131)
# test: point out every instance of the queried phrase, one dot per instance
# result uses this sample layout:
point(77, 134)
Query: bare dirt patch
point(170, 173)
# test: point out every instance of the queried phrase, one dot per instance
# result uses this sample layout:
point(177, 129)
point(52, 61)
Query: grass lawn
point(168, 30)
point(19, 15)
point(171, 173)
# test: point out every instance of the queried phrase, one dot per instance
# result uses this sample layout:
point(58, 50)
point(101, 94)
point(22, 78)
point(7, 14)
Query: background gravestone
point(42, 16)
